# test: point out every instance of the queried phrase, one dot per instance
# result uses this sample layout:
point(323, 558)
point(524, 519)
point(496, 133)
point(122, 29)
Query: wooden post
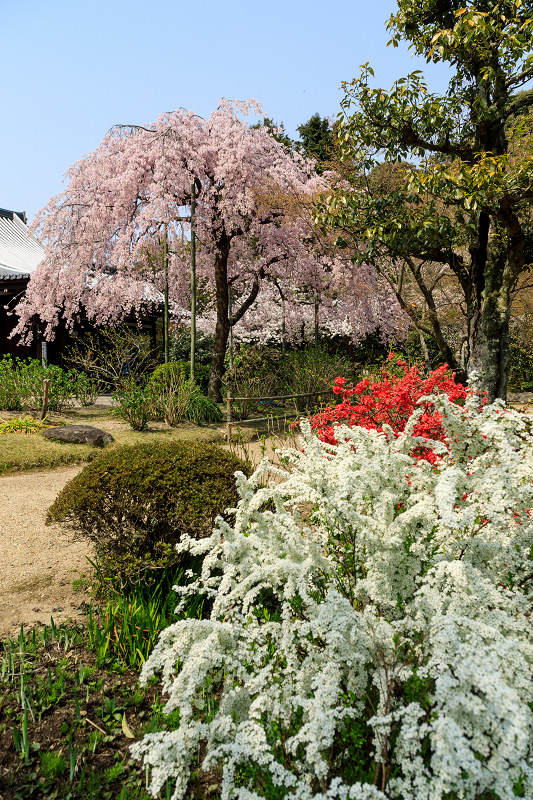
point(228, 417)
point(44, 409)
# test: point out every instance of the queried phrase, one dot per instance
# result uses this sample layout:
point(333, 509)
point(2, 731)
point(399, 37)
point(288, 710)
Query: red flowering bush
point(390, 401)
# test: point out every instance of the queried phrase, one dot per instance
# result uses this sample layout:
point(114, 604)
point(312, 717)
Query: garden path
point(37, 563)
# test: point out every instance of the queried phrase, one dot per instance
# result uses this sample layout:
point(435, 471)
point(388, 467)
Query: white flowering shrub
point(370, 634)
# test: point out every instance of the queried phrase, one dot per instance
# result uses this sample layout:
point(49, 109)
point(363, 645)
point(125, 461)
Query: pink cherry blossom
point(104, 234)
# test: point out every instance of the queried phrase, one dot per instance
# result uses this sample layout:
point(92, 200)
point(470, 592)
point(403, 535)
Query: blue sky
point(71, 70)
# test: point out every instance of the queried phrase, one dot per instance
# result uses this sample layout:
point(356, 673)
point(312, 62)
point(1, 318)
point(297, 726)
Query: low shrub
point(135, 404)
point(135, 502)
point(10, 399)
point(376, 649)
point(266, 372)
point(201, 372)
point(201, 408)
point(389, 402)
point(256, 373)
point(164, 374)
point(313, 370)
point(87, 389)
point(177, 397)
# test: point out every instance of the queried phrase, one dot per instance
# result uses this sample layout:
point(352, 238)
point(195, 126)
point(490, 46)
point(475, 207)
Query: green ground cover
point(24, 451)
point(71, 705)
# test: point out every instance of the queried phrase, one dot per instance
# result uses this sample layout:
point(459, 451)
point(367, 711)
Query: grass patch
point(19, 452)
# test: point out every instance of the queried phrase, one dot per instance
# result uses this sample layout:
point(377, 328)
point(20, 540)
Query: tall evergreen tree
point(316, 138)
point(464, 201)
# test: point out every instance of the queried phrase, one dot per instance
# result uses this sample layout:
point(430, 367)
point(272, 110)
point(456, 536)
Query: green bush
point(266, 372)
point(164, 372)
point(521, 359)
point(21, 385)
point(180, 347)
point(87, 389)
point(176, 397)
point(201, 408)
point(10, 399)
point(314, 370)
point(135, 404)
point(133, 503)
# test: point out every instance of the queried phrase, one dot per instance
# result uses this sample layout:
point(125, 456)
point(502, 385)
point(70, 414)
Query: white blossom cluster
point(370, 631)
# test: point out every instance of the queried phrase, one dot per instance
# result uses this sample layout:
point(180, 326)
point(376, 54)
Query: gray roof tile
point(20, 250)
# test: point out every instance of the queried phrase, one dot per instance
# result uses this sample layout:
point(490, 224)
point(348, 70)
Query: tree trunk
point(222, 325)
point(489, 349)
point(489, 330)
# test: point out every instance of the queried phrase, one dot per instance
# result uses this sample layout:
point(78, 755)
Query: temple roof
point(20, 250)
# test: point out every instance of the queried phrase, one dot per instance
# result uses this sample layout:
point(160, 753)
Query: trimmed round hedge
point(134, 502)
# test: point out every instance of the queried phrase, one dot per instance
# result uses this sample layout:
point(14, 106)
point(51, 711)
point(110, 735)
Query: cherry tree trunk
point(222, 324)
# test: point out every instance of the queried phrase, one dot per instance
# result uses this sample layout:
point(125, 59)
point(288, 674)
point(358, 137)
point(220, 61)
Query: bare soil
point(38, 563)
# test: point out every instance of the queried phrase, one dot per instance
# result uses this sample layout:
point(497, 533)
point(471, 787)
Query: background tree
point(134, 192)
point(277, 131)
point(463, 203)
point(317, 140)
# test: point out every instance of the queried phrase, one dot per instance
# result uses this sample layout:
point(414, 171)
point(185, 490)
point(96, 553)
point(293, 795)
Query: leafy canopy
point(464, 179)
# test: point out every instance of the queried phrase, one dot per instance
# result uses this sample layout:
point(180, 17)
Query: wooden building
point(20, 254)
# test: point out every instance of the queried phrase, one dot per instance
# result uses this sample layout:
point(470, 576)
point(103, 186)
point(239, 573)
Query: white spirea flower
point(370, 632)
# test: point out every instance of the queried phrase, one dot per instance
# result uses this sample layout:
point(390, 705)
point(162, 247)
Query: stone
point(79, 434)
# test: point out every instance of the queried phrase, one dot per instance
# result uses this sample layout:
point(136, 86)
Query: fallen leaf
point(127, 731)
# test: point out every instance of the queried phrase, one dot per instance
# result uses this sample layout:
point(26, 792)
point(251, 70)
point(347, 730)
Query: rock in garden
point(79, 434)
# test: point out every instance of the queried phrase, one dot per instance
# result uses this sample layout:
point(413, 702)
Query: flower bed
point(389, 403)
point(382, 647)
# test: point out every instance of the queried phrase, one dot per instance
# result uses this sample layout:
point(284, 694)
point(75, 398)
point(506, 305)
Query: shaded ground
point(70, 738)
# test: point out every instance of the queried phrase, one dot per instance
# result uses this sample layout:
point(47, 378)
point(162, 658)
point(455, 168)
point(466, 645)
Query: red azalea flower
point(391, 402)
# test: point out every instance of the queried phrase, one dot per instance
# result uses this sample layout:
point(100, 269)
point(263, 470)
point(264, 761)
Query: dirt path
point(37, 563)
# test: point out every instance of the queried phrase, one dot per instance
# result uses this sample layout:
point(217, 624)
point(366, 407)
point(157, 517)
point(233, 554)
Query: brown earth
point(38, 563)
